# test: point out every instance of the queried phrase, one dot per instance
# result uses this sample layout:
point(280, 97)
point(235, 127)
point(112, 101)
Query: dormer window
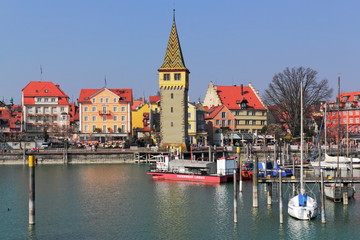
point(243, 105)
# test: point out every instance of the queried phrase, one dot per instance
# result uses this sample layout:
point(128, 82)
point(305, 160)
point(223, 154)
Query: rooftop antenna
point(105, 81)
point(41, 72)
point(174, 14)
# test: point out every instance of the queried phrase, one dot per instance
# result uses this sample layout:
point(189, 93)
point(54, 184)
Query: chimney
point(242, 90)
point(57, 85)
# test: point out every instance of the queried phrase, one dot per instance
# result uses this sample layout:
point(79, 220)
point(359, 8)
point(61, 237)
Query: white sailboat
point(302, 206)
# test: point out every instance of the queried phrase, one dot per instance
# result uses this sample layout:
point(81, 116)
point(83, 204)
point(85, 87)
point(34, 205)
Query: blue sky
point(227, 42)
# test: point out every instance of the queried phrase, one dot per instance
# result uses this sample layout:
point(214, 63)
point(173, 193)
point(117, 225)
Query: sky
point(77, 43)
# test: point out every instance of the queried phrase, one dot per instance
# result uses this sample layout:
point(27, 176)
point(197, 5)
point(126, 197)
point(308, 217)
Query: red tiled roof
point(351, 96)
point(125, 95)
point(231, 97)
point(213, 111)
point(137, 103)
point(154, 99)
point(43, 89)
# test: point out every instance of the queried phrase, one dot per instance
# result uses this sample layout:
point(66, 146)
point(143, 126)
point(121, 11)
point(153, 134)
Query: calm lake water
point(122, 202)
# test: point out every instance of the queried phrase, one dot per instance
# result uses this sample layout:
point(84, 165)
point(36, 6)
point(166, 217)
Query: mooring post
point(255, 182)
point(269, 193)
point(31, 190)
point(238, 150)
point(280, 198)
point(235, 198)
point(345, 194)
point(323, 219)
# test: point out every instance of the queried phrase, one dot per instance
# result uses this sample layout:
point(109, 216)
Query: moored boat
point(222, 170)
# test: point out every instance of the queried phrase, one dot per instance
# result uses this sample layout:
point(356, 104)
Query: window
point(350, 112)
point(247, 122)
point(357, 120)
point(253, 122)
point(38, 99)
point(93, 100)
point(357, 112)
point(166, 76)
point(46, 100)
point(115, 118)
point(54, 109)
point(223, 123)
point(172, 95)
point(217, 122)
point(115, 128)
point(86, 118)
point(253, 113)
point(86, 128)
point(171, 124)
point(171, 109)
point(262, 122)
point(189, 115)
point(177, 76)
point(93, 128)
point(351, 120)
point(115, 109)
point(101, 100)
point(37, 110)
point(85, 109)
point(52, 99)
point(104, 109)
point(237, 122)
point(107, 100)
point(104, 128)
point(123, 109)
point(93, 109)
point(94, 118)
point(115, 100)
point(229, 122)
point(189, 126)
point(62, 109)
point(46, 109)
point(104, 118)
point(123, 118)
point(223, 114)
point(123, 128)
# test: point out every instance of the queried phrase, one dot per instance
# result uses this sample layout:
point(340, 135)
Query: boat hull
point(336, 191)
point(307, 212)
point(191, 177)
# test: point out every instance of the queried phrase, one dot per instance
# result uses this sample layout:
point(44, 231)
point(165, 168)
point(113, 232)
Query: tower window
point(166, 76)
point(171, 109)
point(172, 124)
point(172, 96)
point(177, 76)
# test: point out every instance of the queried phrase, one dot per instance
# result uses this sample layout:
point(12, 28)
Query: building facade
point(348, 114)
point(174, 85)
point(244, 103)
point(105, 114)
point(45, 108)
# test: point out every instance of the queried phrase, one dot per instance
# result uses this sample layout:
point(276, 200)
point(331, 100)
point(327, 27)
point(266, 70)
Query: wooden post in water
point(280, 199)
point(323, 220)
point(255, 182)
point(345, 194)
point(269, 193)
point(235, 198)
point(31, 190)
point(238, 150)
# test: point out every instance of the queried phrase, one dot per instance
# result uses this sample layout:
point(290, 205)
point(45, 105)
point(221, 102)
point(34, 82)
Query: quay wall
point(71, 158)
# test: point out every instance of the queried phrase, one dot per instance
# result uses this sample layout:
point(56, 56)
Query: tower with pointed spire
point(174, 86)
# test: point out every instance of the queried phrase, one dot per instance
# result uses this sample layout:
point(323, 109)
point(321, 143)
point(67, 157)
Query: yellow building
point(105, 114)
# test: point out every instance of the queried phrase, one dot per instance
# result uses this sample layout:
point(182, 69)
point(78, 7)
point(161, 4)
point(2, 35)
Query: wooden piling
point(31, 190)
point(255, 183)
point(323, 219)
point(238, 150)
point(269, 193)
point(235, 198)
point(280, 199)
point(345, 194)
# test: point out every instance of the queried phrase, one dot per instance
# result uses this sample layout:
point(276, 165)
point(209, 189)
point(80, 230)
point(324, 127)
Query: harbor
point(120, 201)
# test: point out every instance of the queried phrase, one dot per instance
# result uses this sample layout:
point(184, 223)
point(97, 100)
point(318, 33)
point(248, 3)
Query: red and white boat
point(222, 170)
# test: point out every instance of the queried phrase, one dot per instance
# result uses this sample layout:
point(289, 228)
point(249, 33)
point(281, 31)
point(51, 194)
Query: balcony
point(107, 112)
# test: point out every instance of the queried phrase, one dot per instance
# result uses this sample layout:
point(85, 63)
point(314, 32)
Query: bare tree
point(284, 92)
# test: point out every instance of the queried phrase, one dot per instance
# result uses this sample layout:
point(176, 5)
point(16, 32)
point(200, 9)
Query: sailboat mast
point(302, 189)
point(338, 130)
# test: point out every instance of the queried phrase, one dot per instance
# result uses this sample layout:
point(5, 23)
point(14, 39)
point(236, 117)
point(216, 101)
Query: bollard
point(31, 190)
